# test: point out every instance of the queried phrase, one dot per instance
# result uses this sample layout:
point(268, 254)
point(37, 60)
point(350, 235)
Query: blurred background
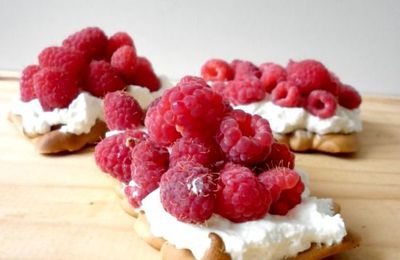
point(358, 40)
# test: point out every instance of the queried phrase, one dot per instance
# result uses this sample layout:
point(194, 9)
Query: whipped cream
point(77, 118)
point(288, 119)
point(272, 237)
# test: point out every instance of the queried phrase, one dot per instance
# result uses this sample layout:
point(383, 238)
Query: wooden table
point(63, 207)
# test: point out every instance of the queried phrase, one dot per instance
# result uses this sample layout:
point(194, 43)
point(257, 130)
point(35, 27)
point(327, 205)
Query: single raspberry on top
point(286, 95)
point(187, 192)
point(67, 60)
point(122, 111)
point(308, 75)
point(244, 91)
point(203, 151)
point(124, 60)
point(149, 162)
point(245, 69)
point(321, 103)
point(349, 97)
point(271, 75)
point(245, 138)
point(91, 41)
point(285, 187)
point(144, 75)
point(101, 78)
point(117, 40)
point(27, 91)
point(113, 154)
point(54, 88)
point(240, 196)
point(216, 70)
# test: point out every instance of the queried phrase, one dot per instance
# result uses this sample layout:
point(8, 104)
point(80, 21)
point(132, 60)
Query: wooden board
point(62, 207)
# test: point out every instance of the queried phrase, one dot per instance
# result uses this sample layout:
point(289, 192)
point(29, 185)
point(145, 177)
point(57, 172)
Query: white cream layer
point(273, 237)
point(288, 119)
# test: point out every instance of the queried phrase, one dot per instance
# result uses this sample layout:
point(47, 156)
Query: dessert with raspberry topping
point(207, 181)
point(60, 106)
point(308, 107)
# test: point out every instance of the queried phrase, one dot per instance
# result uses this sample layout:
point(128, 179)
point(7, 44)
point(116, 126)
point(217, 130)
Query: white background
point(359, 40)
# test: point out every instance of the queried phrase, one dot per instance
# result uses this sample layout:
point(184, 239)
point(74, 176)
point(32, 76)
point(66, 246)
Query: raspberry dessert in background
point(308, 107)
point(208, 181)
point(61, 98)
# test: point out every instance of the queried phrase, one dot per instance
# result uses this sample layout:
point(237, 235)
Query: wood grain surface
point(63, 207)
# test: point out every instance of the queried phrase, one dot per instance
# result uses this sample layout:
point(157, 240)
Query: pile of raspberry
point(205, 157)
point(88, 61)
point(307, 83)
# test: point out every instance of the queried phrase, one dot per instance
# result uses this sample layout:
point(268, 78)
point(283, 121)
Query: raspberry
point(27, 91)
point(245, 69)
point(203, 151)
point(216, 70)
point(280, 156)
point(240, 196)
point(349, 97)
point(187, 192)
point(219, 87)
point(101, 78)
point(321, 103)
point(308, 75)
point(117, 40)
point(144, 75)
point(91, 41)
point(285, 187)
point(244, 91)
point(54, 88)
point(286, 95)
point(67, 60)
point(124, 60)
point(245, 138)
point(113, 154)
point(189, 109)
point(149, 163)
point(192, 80)
point(271, 75)
point(122, 111)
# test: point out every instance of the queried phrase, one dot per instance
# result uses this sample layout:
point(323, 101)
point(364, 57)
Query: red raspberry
point(113, 154)
point(101, 78)
point(216, 70)
point(219, 87)
point(245, 69)
point(285, 187)
point(308, 75)
point(271, 75)
point(144, 75)
point(64, 59)
point(349, 97)
point(149, 163)
point(117, 40)
point(91, 41)
point(122, 111)
point(192, 80)
point(280, 156)
point(244, 91)
point(124, 60)
point(203, 151)
point(245, 138)
point(27, 91)
point(189, 108)
point(240, 196)
point(286, 95)
point(54, 88)
point(321, 103)
point(187, 192)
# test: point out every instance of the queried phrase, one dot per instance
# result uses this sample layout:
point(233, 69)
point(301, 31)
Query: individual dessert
point(60, 107)
point(207, 181)
point(308, 107)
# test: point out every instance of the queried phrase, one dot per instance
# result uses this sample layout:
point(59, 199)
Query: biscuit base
point(56, 141)
point(302, 141)
point(217, 248)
